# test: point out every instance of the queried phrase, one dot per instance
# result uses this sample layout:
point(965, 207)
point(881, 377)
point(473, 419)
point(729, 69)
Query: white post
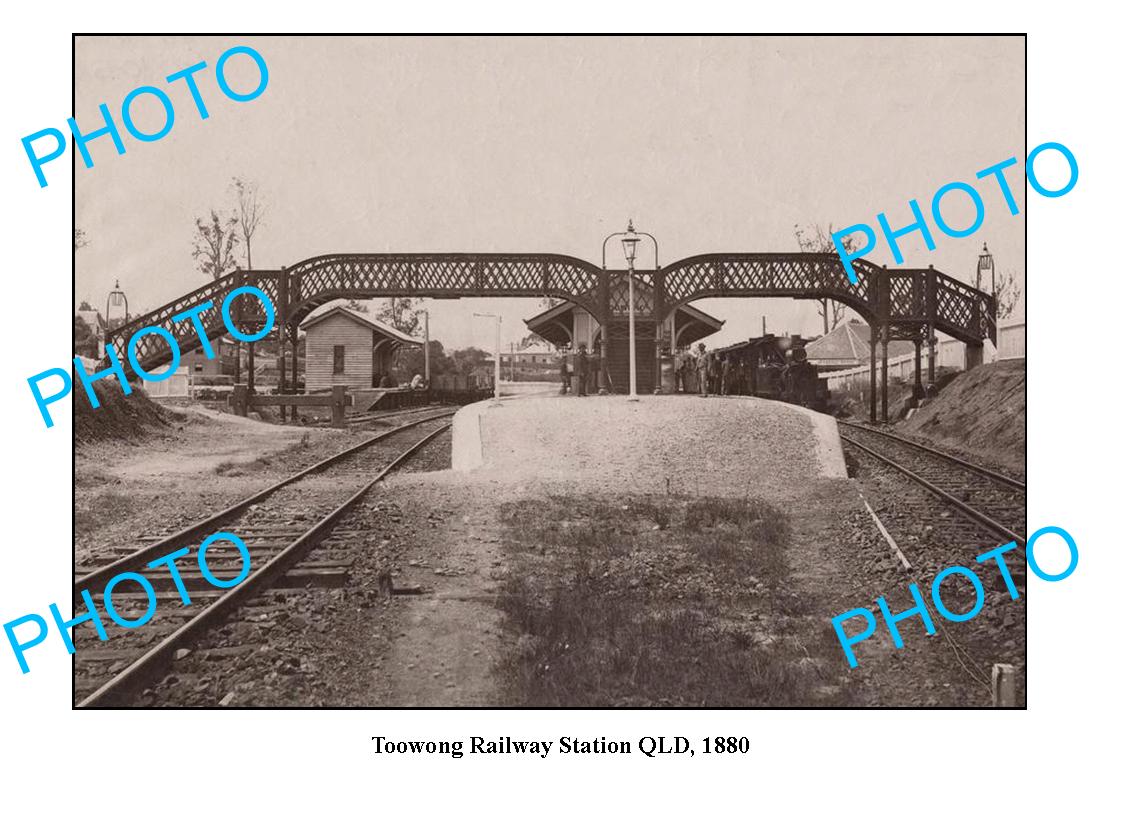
point(632, 396)
point(427, 385)
point(498, 323)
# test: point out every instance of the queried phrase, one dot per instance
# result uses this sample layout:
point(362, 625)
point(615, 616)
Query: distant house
point(198, 363)
point(344, 347)
point(847, 345)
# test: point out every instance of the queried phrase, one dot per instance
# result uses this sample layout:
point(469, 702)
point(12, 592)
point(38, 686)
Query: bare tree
point(814, 239)
point(214, 244)
point(1007, 293)
point(250, 213)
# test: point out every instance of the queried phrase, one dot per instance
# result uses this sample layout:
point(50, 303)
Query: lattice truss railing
point(481, 275)
point(964, 310)
point(153, 351)
point(800, 275)
point(644, 294)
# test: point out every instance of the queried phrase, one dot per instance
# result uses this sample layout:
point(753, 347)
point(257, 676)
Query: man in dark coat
point(581, 369)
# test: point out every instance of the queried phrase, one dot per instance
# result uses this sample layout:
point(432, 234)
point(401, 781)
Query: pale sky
point(547, 145)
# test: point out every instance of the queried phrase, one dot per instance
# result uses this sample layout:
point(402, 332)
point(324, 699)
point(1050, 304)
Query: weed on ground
point(657, 601)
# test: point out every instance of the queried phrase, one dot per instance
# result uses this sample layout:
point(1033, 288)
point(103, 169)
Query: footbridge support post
point(873, 371)
point(972, 356)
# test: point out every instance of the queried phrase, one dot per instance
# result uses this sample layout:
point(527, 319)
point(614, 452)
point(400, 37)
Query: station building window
point(337, 359)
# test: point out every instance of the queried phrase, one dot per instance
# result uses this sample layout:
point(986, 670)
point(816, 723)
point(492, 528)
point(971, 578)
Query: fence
point(949, 354)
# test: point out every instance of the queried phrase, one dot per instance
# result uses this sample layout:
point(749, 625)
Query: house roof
point(849, 344)
point(363, 320)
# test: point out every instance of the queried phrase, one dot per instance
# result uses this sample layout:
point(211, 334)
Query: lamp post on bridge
point(630, 242)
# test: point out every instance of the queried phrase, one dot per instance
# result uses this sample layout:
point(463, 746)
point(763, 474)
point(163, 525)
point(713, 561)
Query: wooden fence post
point(338, 400)
point(239, 399)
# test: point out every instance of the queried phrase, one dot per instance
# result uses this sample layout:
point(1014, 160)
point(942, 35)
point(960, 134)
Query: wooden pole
point(917, 382)
point(885, 373)
point(873, 371)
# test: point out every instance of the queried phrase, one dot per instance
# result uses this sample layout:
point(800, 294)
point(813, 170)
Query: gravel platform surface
point(665, 444)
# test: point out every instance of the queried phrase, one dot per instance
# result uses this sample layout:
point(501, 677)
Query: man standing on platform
point(726, 374)
point(581, 369)
point(703, 367)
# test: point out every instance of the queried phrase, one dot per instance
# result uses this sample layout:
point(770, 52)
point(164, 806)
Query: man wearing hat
point(581, 369)
point(703, 366)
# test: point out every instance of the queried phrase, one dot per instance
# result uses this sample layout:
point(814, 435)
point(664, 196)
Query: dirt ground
point(442, 536)
point(173, 476)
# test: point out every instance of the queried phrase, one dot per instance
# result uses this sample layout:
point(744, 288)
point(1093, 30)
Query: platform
point(715, 445)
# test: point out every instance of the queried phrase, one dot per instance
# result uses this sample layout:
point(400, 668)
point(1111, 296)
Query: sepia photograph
point(576, 372)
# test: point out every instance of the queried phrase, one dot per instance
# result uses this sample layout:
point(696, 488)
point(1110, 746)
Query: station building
point(569, 325)
point(345, 347)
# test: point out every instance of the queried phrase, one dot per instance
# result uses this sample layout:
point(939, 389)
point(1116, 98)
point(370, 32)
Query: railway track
point(991, 500)
point(945, 510)
point(296, 545)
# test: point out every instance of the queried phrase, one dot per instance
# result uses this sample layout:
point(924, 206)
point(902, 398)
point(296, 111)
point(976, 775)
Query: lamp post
point(630, 240)
point(114, 298)
point(498, 323)
point(986, 262)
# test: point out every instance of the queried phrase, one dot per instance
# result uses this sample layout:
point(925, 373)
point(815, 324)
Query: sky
point(432, 144)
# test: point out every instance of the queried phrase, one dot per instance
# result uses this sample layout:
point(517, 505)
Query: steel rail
point(191, 533)
point(139, 670)
point(992, 474)
point(980, 518)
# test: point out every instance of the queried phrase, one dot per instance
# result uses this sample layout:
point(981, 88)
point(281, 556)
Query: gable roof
point(849, 344)
point(362, 320)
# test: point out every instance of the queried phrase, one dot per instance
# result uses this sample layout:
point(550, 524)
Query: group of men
point(709, 372)
point(585, 367)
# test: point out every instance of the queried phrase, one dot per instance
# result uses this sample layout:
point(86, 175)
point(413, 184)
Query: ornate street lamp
point(986, 262)
point(630, 241)
point(116, 298)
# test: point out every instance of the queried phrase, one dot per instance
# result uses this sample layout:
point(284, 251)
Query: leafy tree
point(85, 341)
point(358, 306)
point(467, 360)
point(214, 244)
point(401, 313)
point(814, 239)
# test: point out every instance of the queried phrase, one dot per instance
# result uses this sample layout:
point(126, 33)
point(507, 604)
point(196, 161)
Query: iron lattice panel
point(769, 275)
point(446, 276)
point(903, 297)
point(152, 351)
point(618, 294)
